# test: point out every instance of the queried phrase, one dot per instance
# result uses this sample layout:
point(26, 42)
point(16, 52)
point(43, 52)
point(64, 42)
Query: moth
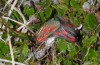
point(61, 28)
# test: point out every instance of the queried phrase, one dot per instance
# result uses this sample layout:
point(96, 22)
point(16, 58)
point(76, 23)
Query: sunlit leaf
point(93, 39)
point(76, 21)
point(48, 12)
point(87, 41)
point(73, 3)
point(90, 22)
point(71, 49)
point(60, 12)
point(60, 6)
point(92, 54)
point(25, 50)
point(61, 9)
point(80, 11)
point(28, 11)
point(42, 16)
point(67, 2)
point(61, 45)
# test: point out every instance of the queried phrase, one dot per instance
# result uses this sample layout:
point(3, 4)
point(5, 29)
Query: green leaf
point(21, 35)
point(93, 39)
point(73, 3)
point(67, 62)
point(36, 26)
point(28, 11)
point(98, 1)
point(80, 11)
point(67, 2)
point(16, 16)
point(64, 60)
point(4, 36)
point(60, 6)
point(48, 3)
point(48, 12)
point(92, 54)
point(76, 21)
point(42, 3)
point(85, 41)
point(59, 59)
point(89, 41)
point(98, 57)
point(3, 47)
point(8, 57)
point(61, 45)
point(42, 17)
point(60, 12)
point(41, 14)
point(1, 55)
point(63, 7)
point(25, 50)
point(72, 50)
point(90, 22)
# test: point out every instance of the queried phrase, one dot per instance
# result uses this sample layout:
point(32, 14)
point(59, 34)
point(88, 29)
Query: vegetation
point(20, 20)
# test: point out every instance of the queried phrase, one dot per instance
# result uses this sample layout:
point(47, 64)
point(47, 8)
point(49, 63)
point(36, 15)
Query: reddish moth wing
point(69, 32)
point(47, 29)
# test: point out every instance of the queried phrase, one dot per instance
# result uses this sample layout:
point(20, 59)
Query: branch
point(12, 20)
point(8, 2)
point(11, 50)
point(20, 3)
point(12, 7)
point(18, 63)
point(18, 10)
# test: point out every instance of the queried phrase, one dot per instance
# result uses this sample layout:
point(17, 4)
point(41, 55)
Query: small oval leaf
point(90, 22)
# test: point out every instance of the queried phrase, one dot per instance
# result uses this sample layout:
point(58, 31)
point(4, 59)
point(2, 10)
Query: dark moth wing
point(47, 29)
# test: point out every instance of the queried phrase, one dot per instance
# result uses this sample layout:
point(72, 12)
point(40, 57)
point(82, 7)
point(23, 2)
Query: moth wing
point(47, 29)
